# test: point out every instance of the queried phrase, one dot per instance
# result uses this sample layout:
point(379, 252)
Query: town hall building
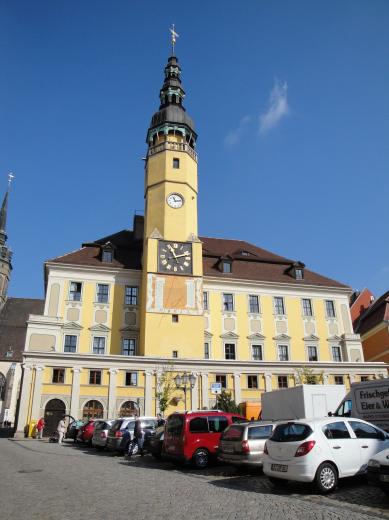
point(124, 310)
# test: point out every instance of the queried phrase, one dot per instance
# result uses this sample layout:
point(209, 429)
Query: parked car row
point(320, 451)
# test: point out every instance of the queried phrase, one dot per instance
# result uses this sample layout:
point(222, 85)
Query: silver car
point(100, 434)
point(244, 443)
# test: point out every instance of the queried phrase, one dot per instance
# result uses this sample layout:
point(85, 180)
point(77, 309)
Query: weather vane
point(10, 177)
point(174, 36)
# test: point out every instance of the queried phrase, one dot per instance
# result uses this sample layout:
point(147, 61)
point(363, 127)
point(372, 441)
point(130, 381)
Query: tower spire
point(3, 212)
point(172, 117)
point(5, 252)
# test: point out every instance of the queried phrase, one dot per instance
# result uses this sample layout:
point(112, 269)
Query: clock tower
point(172, 314)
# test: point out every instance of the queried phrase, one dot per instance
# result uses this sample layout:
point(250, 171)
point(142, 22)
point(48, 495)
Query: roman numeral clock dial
point(174, 257)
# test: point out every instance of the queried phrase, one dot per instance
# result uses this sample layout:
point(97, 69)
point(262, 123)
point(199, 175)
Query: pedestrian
point(160, 420)
point(138, 439)
point(61, 428)
point(40, 425)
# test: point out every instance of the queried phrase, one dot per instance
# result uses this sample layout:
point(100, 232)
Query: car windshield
point(291, 432)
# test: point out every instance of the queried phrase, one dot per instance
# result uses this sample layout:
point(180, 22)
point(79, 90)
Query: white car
point(378, 470)
point(321, 450)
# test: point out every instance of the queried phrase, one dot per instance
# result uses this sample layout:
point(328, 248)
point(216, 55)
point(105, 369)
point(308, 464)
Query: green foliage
point(306, 376)
point(165, 386)
point(225, 403)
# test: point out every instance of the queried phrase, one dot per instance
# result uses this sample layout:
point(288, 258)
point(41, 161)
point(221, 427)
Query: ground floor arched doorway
point(93, 410)
point(128, 408)
point(54, 411)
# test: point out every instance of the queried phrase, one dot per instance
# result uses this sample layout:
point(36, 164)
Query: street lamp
point(184, 382)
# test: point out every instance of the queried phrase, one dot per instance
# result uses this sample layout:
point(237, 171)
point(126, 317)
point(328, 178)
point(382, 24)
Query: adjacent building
point(372, 324)
point(126, 309)
point(14, 313)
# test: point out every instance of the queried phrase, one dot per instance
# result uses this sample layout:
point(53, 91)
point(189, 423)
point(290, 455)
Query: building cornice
point(201, 364)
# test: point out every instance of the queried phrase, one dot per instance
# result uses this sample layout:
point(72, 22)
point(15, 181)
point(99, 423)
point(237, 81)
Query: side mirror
point(329, 414)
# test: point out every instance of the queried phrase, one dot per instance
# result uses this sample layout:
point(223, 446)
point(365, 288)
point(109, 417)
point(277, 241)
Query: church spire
point(5, 252)
point(3, 212)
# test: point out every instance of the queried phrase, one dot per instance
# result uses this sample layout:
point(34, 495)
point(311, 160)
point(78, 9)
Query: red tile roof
point(374, 315)
point(249, 262)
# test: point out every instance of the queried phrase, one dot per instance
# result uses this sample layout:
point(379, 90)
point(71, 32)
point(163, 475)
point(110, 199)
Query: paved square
point(46, 481)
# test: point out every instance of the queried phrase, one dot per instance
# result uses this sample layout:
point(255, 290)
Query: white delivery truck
point(368, 401)
point(301, 402)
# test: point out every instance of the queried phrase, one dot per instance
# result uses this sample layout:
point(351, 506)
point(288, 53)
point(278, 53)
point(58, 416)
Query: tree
point(306, 376)
point(225, 403)
point(165, 386)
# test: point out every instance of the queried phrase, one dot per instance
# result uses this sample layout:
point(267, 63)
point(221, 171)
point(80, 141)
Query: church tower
point(5, 252)
point(172, 314)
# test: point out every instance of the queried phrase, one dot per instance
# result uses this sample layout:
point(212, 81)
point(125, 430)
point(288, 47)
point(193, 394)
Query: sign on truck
point(368, 401)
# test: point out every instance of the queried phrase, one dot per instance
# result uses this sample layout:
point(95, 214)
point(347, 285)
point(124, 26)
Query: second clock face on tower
point(174, 257)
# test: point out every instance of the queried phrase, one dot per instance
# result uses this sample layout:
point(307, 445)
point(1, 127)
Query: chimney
point(138, 227)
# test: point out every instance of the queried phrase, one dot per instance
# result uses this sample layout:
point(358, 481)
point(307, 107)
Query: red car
point(85, 432)
point(194, 436)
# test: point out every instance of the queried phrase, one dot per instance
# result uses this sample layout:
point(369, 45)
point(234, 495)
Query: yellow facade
point(153, 320)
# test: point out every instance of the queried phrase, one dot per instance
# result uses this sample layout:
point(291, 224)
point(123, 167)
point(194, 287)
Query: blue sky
point(290, 101)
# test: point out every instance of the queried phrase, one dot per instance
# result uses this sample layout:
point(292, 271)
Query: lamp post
point(184, 382)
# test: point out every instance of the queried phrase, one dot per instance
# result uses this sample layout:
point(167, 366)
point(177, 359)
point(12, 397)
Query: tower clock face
point(175, 200)
point(174, 257)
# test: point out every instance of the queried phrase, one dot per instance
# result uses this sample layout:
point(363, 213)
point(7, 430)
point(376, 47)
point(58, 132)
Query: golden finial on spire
point(174, 35)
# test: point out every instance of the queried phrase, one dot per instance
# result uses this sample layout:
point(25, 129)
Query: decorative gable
point(282, 337)
point(229, 335)
point(256, 337)
point(311, 337)
point(72, 325)
point(99, 328)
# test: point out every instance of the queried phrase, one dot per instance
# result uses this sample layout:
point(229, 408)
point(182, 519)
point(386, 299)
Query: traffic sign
point(216, 388)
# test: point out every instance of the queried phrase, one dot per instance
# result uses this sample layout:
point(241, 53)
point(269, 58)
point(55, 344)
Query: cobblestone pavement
point(47, 481)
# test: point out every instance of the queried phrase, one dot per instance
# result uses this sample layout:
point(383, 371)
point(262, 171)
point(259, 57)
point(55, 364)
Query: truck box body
point(369, 401)
point(301, 402)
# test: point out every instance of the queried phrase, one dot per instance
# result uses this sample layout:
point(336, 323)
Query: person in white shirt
point(61, 428)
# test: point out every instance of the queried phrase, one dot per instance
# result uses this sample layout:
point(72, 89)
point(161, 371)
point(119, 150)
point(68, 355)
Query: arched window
point(128, 408)
point(93, 410)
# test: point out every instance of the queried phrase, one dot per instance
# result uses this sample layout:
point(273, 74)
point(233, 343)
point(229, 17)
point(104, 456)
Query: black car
point(156, 442)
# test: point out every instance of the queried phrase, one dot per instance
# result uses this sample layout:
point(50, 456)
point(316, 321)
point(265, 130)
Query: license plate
point(228, 449)
point(384, 478)
point(279, 467)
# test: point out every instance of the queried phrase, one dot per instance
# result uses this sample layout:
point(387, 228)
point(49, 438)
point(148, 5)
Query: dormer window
point(107, 256)
point(226, 267)
point(245, 253)
point(299, 273)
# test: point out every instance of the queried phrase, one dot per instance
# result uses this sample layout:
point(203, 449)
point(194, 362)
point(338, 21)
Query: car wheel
point(278, 482)
point(326, 478)
point(201, 458)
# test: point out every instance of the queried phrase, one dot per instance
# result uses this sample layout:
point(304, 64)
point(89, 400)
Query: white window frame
point(233, 302)
point(206, 341)
point(302, 308)
point(131, 372)
point(97, 290)
point(340, 351)
point(259, 303)
point(334, 307)
point(137, 296)
point(262, 350)
point(103, 336)
point(77, 342)
point(283, 305)
point(287, 380)
point(226, 377)
point(81, 292)
point(206, 308)
point(252, 388)
point(317, 352)
point(129, 338)
point(278, 351)
point(228, 342)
